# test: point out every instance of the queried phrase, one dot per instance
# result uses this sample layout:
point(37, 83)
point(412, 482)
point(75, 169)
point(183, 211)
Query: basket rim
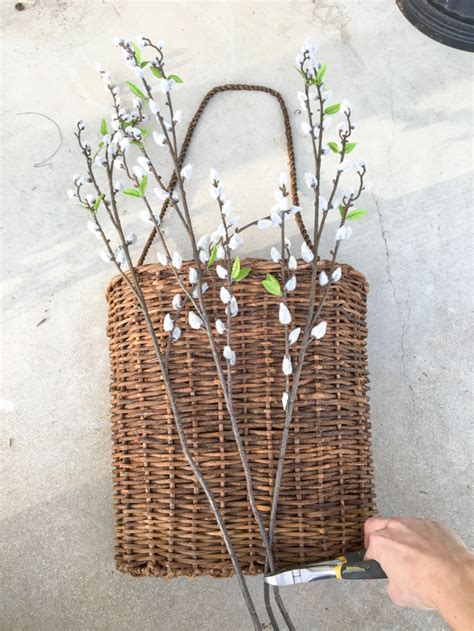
point(322, 264)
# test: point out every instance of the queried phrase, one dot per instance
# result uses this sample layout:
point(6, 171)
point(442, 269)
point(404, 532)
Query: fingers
point(371, 525)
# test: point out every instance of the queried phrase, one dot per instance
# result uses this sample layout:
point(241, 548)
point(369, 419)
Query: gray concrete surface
point(412, 102)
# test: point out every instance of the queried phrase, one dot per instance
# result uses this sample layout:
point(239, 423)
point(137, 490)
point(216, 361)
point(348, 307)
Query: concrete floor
point(412, 104)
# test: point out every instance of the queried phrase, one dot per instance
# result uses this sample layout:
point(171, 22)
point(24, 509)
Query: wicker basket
point(164, 525)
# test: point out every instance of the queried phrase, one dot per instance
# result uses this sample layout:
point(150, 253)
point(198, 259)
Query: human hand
point(427, 566)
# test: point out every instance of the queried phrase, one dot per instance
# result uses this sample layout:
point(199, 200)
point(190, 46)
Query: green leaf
point(175, 78)
point(235, 268)
point(138, 54)
point(244, 272)
point(98, 201)
point(101, 144)
point(158, 74)
point(144, 64)
point(342, 210)
point(333, 109)
point(131, 192)
point(272, 285)
point(136, 91)
point(320, 75)
point(103, 127)
point(350, 147)
point(356, 214)
point(145, 132)
point(213, 256)
point(142, 185)
point(333, 146)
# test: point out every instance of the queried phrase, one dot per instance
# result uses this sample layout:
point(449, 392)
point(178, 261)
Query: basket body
point(164, 525)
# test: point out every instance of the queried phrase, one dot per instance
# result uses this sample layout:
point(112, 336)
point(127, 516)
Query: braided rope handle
point(187, 140)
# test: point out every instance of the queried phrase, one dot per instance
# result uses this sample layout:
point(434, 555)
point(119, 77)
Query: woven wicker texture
point(164, 525)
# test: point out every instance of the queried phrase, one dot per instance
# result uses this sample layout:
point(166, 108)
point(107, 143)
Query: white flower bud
point(203, 243)
point(220, 327)
point(154, 107)
point(176, 334)
point(227, 207)
point(106, 256)
point(286, 365)
point(263, 224)
point(284, 314)
point(344, 232)
point(71, 194)
point(193, 275)
point(310, 180)
point(168, 324)
point(131, 238)
point(235, 241)
point(343, 165)
point(194, 320)
point(186, 171)
point(319, 331)
point(166, 85)
point(225, 295)
point(177, 302)
point(221, 271)
point(306, 253)
point(162, 259)
point(275, 255)
point(336, 275)
point(283, 179)
point(176, 260)
point(290, 284)
point(233, 307)
point(323, 279)
point(284, 400)
point(294, 335)
point(214, 175)
point(138, 172)
point(178, 117)
point(323, 203)
point(160, 139)
point(292, 263)
point(229, 354)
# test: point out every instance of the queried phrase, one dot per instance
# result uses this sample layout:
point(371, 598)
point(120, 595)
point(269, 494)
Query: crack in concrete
point(388, 269)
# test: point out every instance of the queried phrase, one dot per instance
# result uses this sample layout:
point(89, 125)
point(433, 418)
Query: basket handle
point(187, 140)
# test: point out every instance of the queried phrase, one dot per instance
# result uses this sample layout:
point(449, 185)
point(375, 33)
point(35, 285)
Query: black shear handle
point(362, 570)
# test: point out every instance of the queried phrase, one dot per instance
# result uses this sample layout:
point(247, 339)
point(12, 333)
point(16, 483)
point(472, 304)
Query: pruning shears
point(350, 565)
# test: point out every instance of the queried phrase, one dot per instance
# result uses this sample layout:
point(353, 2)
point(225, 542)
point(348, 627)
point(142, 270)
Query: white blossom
point(203, 242)
point(343, 165)
point(323, 203)
point(284, 400)
point(227, 207)
point(220, 327)
point(118, 41)
point(166, 85)
point(306, 128)
point(286, 365)
point(345, 107)
point(283, 202)
point(220, 254)
point(71, 194)
point(326, 95)
point(178, 117)
point(154, 107)
point(140, 41)
point(342, 127)
point(302, 98)
point(344, 232)
point(161, 194)
point(336, 275)
point(276, 218)
point(147, 218)
point(284, 314)
point(162, 258)
point(221, 271)
point(120, 256)
point(177, 302)
point(160, 139)
point(290, 284)
point(100, 161)
point(187, 171)
point(310, 180)
point(294, 335)
point(168, 323)
point(90, 199)
point(144, 164)
point(275, 255)
point(176, 334)
point(292, 263)
point(204, 288)
point(360, 166)
point(263, 224)
point(306, 253)
point(124, 144)
point(234, 222)
point(106, 256)
point(138, 172)
point(214, 175)
point(94, 229)
point(225, 295)
point(176, 260)
point(229, 354)
point(131, 238)
point(118, 186)
point(235, 241)
point(194, 320)
point(233, 307)
point(203, 256)
point(193, 275)
point(283, 179)
point(323, 279)
point(319, 331)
